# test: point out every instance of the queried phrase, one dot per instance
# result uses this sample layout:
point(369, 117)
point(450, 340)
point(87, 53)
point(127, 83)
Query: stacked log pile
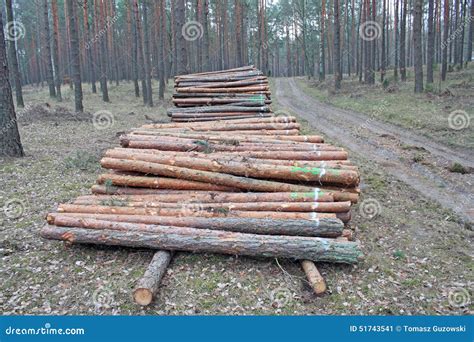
point(248, 186)
point(221, 95)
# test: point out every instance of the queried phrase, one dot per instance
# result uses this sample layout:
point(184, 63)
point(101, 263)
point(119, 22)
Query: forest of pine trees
point(141, 40)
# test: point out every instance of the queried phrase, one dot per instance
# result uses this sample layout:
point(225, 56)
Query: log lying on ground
point(219, 136)
point(341, 177)
point(214, 118)
point(339, 194)
point(314, 277)
point(323, 227)
point(189, 210)
point(216, 197)
point(148, 285)
point(247, 169)
point(202, 240)
point(317, 207)
point(158, 183)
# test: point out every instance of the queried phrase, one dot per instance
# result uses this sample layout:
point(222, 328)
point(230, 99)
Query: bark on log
point(324, 227)
point(317, 207)
point(158, 183)
point(148, 285)
point(314, 277)
point(202, 240)
point(246, 169)
point(218, 197)
point(187, 210)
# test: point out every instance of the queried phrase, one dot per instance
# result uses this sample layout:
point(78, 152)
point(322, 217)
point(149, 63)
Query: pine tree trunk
point(47, 50)
point(397, 43)
point(322, 67)
point(470, 37)
point(418, 45)
point(15, 72)
point(431, 42)
point(57, 73)
point(206, 56)
point(75, 59)
point(383, 59)
point(444, 47)
point(146, 54)
point(180, 38)
point(10, 143)
point(141, 58)
point(161, 61)
point(403, 25)
point(337, 47)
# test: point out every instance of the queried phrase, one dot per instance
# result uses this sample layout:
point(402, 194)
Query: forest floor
point(419, 257)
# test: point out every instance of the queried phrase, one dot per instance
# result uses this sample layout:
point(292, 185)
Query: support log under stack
point(226, 177)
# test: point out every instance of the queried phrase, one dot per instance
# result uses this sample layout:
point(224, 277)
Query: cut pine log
point(323, 227)
point(148, 285)
point(157, 183)
point(202, 240)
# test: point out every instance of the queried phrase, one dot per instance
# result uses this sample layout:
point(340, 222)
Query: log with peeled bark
point(314, 277)
point(242, 127)
point(218, 197)
point(217, 109)
point(236, 157)
point(249, 89)
point(195, 211)
point(317, 207)
point(212, 241)
point(233, 146)
point(157, 183)
point(148, 285)
point(253, 132)
point(214, 118)
point(214, 101)
point(247, 169)
point(139, 186)
point(273, 119)
point(219, 136)
point(226, 172)
point(324, 227)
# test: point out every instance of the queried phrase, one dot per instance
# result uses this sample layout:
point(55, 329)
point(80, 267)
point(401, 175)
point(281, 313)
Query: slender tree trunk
point(161, 48)
point(75, 59)
point(141, 58)
point(181, 40)
point(57, 73)
point(418, 45)
point(134, 44)
point(470, 37)
point(403, 25)
point(15, 72)
point(103, 53)
point(383, 61)
point(206, 56)
point(431, 42)
point(90, 60)
point(337, 47)
point(444, 47)
point(397, 36)
point(322, 67)
point(146, 54)
point(10, 142)
point(47, 50)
